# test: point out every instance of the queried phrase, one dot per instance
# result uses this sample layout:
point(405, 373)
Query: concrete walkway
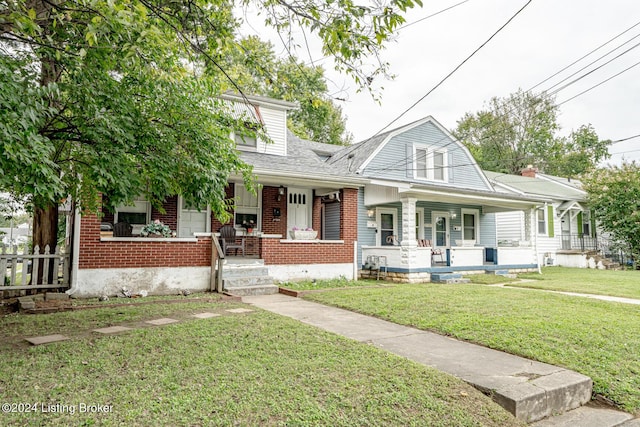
point(574, 294)
point(529, 390)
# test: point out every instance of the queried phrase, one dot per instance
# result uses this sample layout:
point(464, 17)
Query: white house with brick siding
point(298, 190)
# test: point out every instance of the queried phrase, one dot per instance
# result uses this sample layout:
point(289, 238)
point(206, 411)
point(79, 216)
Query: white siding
point(276, 126)
point(510, 225)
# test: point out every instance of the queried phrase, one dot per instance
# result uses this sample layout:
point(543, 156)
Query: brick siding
point(274, 252)
point(104, 254)
point(95, 253)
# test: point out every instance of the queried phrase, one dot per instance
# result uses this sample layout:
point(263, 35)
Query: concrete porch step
point(245, 271)
point(449, 278)
point(242, 277)
point(253, 290)
point(238, 282)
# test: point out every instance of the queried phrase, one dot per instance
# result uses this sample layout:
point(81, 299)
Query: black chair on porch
point(229, 239)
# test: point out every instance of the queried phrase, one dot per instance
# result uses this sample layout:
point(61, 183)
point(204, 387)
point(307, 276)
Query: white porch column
point(409, 245)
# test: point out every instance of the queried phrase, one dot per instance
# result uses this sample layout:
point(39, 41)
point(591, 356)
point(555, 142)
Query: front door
point(387, 235)
point(440, 230)
point(299, 203)
point(565, 227)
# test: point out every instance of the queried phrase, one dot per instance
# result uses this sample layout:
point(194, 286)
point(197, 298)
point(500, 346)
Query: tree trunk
point(45, 232)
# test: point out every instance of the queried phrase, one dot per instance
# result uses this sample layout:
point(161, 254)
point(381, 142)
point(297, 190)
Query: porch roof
point(549, 188)
point(491, 201)
point(304, 163)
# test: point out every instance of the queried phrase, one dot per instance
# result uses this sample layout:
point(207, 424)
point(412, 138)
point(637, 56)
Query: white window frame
point(430, 172)
point(379, 212)
point(237, 138)
point(538, 222)
point(181, 209)
point(242, 209)
point(140, 205)
point(476, 223)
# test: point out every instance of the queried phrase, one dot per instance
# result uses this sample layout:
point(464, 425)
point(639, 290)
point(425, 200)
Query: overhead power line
point(586, 55)
point(455, 69)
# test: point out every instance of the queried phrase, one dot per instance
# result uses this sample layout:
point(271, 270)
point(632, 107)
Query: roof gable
point(391, 156)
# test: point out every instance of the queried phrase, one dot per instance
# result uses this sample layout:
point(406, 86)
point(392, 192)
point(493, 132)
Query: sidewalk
point(572, 294)
point(529, 390)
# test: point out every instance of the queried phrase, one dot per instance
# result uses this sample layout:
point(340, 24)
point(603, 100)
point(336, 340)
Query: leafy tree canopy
point(254, 66)
point(118, 96)
point(522, 129)
point(614, 199)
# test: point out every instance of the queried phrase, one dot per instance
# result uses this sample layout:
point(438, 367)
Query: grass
point(600, 282)
point(597, 338)
point(307, 285)
point(489, 279)
point(14, 327)
point(250, 369)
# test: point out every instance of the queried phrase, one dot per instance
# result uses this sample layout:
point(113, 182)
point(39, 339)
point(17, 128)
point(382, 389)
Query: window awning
point(568, 206)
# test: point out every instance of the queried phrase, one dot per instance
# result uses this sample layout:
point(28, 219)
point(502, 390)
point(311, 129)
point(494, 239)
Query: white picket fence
point(19, 271)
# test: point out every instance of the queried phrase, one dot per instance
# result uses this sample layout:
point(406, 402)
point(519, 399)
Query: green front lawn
point(599, 339)
point(601, 282)
point(237, 369)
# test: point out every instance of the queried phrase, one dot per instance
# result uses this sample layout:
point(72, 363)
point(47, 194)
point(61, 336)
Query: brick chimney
point(529, 171)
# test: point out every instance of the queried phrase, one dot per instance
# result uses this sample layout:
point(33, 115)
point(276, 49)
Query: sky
point(544, 38)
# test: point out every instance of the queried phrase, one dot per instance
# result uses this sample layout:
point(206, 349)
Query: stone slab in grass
point(239, 310)
point(161, 321)
point(46, 339)
point(206, 315)
point(112, 330)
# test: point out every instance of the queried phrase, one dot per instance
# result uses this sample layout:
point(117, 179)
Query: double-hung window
point(245, 141)
point(138, 214)
point(470, 224)
point(430, 164)
point(247, 207)
point(542, 223)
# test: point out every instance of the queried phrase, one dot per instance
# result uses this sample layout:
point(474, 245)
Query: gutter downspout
point(534, 230)
point(75, 262)
point(355, 260)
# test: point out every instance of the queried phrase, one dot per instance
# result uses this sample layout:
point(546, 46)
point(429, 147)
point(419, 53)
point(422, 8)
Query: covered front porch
point(419, 233)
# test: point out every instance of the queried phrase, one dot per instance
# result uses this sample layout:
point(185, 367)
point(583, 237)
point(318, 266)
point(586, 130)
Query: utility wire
point(402, 27)
point(588, 54)
point(592, 71)
point(601, 83)
point(455, 69)
point(625, 139)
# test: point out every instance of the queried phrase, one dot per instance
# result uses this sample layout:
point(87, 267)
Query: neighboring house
point(298, 189)
point(566, 232)
point(19, 235)
point(428, 208)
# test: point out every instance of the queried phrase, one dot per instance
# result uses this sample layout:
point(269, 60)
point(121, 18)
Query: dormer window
point(429, 164)
point(245, 141)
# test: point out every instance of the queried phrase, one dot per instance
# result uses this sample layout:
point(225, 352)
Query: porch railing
point(602, 246)
point(33, 270)
point(217, 263)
